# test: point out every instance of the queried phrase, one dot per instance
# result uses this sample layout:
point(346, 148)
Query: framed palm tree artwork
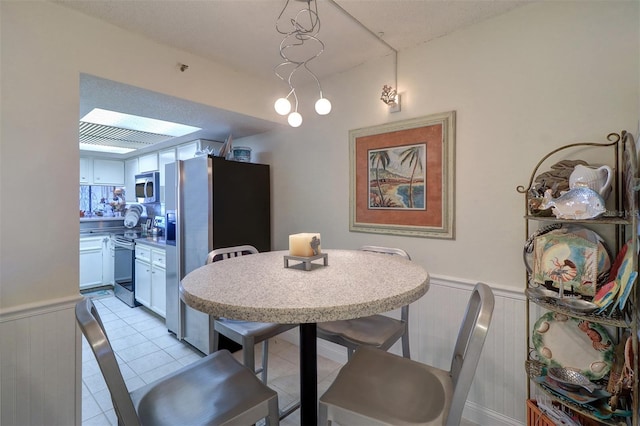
point(402, 177)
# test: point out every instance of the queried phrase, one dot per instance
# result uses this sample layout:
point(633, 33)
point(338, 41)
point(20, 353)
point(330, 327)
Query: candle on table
point(301, 244)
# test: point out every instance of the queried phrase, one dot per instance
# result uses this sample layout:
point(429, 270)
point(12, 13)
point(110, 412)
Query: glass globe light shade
point(323, 106)
point(282, 106)
point(295, 119)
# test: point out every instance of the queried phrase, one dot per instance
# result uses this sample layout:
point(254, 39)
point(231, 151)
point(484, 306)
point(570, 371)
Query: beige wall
point(45, 47)
point(522, 84)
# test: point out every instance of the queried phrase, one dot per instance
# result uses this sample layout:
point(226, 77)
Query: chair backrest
point(404, 312)
point(228, 252)
point(91, 325)
point(469, 343)
point(386, 250)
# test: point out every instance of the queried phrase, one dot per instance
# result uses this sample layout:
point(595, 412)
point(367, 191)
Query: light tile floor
point(146, 351)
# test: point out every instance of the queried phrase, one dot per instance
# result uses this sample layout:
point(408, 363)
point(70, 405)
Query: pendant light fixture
point(298, 48)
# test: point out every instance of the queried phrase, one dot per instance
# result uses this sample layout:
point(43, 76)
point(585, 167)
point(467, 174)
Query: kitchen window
point(98, 198)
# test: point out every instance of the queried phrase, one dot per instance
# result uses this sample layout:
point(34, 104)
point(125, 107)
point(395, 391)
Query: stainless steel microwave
point(148, 187)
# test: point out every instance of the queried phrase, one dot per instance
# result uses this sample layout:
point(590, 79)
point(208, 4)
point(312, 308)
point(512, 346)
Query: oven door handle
point(129, 245)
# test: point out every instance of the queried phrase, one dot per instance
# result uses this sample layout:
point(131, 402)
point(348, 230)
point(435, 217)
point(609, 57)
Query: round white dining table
point(260, 288)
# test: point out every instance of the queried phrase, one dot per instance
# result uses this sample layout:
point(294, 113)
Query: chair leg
point(265, 360)
point(216, 340)
point(248, 354)
point(323, 415)
point(274, 415)
point(405, 345)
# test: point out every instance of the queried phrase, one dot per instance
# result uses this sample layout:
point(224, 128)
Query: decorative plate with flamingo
point(604, 254)
point(568, 260)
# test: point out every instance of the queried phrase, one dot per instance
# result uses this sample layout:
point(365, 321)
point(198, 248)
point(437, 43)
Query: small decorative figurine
point(315, 243)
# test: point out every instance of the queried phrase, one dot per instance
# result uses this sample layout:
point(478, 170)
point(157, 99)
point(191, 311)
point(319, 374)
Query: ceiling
point(216, 124)
point(241, 34)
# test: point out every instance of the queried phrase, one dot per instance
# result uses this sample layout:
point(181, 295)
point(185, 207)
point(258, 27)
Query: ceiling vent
point(98, 134)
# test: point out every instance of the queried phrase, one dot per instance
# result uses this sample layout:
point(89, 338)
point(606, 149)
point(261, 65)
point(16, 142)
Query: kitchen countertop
point(95, 233)
point(99, 218)
point(92, 232)
point(159, 242)
point(90, 226)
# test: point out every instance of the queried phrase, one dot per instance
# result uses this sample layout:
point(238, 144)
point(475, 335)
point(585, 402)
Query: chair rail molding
point(38, 308)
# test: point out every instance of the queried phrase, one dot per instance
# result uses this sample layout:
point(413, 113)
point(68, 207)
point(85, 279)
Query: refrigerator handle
point(179, 246)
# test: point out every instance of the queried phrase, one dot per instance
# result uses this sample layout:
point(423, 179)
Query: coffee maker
point(158, 228)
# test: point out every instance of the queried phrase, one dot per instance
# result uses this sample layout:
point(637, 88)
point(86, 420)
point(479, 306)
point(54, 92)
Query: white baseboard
point(484, 416)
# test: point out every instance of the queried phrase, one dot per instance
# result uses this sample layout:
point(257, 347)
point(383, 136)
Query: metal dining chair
point(215, 390)
point(379, 388)
point(379, 331)
point(245, 333)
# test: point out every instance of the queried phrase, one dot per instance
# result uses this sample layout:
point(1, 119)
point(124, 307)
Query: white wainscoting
point(498, 393)
point(40, 365)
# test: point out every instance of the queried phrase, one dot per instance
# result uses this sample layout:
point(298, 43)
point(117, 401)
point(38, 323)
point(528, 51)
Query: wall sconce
point(300, 39)
point(390, 96)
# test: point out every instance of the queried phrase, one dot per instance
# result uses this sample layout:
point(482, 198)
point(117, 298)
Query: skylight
point(105, 148)
point(115, 132)
point(135, 122)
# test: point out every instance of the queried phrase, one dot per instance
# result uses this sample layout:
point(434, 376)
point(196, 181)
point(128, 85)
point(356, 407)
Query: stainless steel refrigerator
point(210, 203)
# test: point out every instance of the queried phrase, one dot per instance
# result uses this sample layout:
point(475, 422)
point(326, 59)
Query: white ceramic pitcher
point(596, 178)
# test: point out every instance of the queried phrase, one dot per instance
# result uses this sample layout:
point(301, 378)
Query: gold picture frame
point(402, 177)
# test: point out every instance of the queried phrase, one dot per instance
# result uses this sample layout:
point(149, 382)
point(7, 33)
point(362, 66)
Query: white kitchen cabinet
point(164, 158)
point(148, 163)
point(150, 278)
point(130, 172)
point(143, 283)
point(186, 151)
point(158, 282)
point(91, 262)
point(86, 171)
point(108, 172)
point(143, 252)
